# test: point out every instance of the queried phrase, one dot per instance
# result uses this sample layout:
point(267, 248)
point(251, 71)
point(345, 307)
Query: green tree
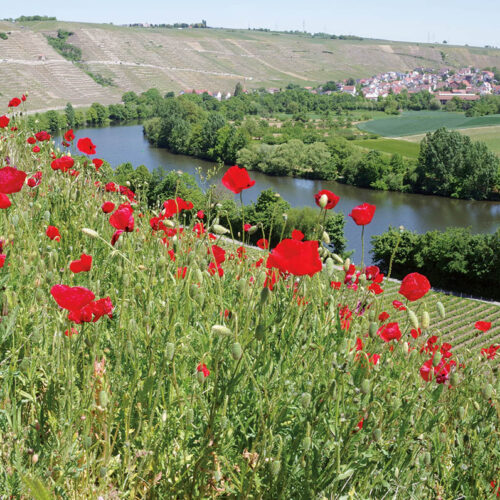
point(70, 115)
point(238, 90)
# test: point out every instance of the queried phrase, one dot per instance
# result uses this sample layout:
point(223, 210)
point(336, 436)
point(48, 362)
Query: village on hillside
point(467, 84)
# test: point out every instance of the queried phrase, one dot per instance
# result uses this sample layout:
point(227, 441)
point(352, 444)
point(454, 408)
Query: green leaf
point(37, 489)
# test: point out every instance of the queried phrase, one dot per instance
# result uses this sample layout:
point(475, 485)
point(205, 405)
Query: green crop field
point(421, 122)
point(404, 148)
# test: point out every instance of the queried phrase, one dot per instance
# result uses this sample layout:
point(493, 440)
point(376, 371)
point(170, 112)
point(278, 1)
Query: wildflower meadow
point(148, 354)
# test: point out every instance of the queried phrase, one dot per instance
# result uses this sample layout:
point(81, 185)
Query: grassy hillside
point(421, 122)
point(214, 59)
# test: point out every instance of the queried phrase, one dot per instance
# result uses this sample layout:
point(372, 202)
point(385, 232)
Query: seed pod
point(329, 266)
point(170, 351)
point(427, 458)
point(221, 330)
point(236, 351)
point(252, 230)
point(275, 467)
point(338, 258)
point(325, 237)
point(436, 359)
point(103, 399)
point(461, 412)
point(377, 434)
point(259, 331)
point(487, 391)
point(413, 319)
point(373, 329)
point(218, 229)
point(365, 386)
point(454, 379)
point(426, 320)
point(264, 295)
point(306, 443)
point(441, 311)
point(347, 264)
point(405, 347)
point(305, 399)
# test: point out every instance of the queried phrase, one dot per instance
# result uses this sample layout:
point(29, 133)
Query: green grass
point(293, 405)
point(420, 122)
point(391, 146)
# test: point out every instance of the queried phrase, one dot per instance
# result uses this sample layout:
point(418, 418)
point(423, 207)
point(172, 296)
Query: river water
point(120, 144)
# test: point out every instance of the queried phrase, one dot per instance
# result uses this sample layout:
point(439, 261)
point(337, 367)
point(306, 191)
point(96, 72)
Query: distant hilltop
point(57, 61)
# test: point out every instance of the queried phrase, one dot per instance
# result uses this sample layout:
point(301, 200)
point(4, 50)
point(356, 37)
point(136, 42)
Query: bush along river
point(121, 144)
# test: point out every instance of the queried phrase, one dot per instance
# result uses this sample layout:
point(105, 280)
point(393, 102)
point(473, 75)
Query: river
point(120, 144)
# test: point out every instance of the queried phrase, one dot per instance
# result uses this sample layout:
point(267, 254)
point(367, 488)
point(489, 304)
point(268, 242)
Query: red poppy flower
point(71, 298)
point(375, 288)
point(181, 272)
point(4, 201)
point(246, 227)
point(333, 199)
point(14, 102)
point(389, 332)
point(31, 140)
point(42, 136)
point(335, 284)
point(398, 305)
point(484, 326)
point(173, 207)
point(263, 243)
point(295, 257)
point(36, 149)
point(107, 207)
point(215, 268)
point(64, 163)
point(82, 265)
point(115, 236)
point(2, 260)
point(199, 229)
point(71, 332)
point(4, 121)
point(219, 254)
point(110, 187)
point(123, 218)
point(86, 146)
point(23, 98)
point(200, 214)
point(202, 367)
point(69, 135)
point(363, 214)
point(415, 333)
point(236, 179)
point(383, 316)
point(53, 233)
point(490, 352)
point(414, 286)
point(297, 235)
point(371, 272)
point(11, 180)
point(97, 163)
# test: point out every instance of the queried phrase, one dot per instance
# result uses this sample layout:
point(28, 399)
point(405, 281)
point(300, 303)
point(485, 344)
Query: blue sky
point(457, 21)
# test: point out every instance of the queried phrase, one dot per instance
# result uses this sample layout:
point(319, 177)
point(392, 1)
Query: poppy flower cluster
point(439, 370)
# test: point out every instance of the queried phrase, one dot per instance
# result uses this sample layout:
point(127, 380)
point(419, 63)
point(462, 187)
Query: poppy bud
point(487, 391)
point(426, 320)
point(90, 232)
point(441, 310)
point(427, 458)
point(329, 265)
point(170, 350)
point(325, 238)
point(306, 443)
point(200, 377)
point(337, 258)
point(406, 347)
point(34, 458)
point(365, 386)
point(259, 331)
point(323, 201)
point(413, 319)
point(221, 330)
point(373, 329)
point(103, 399)
point(436, 359)
point(305, 399)
point(362, 279)
point(454, 379)
point(252, 229)
point(275, 467)
point(347, 264)
point(377, 434)
point(236, 351)
point(198, 276)
point(169, 223)
point(461, 412)
point(195, 291)
point(264, 295)
point(218, 229)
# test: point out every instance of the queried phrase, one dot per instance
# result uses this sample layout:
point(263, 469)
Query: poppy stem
point(362, 247)
point(242, 218)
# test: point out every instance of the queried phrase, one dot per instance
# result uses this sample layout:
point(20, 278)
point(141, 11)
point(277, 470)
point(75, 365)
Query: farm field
point(391, 146)
point(420, 122)
point(489, 135)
